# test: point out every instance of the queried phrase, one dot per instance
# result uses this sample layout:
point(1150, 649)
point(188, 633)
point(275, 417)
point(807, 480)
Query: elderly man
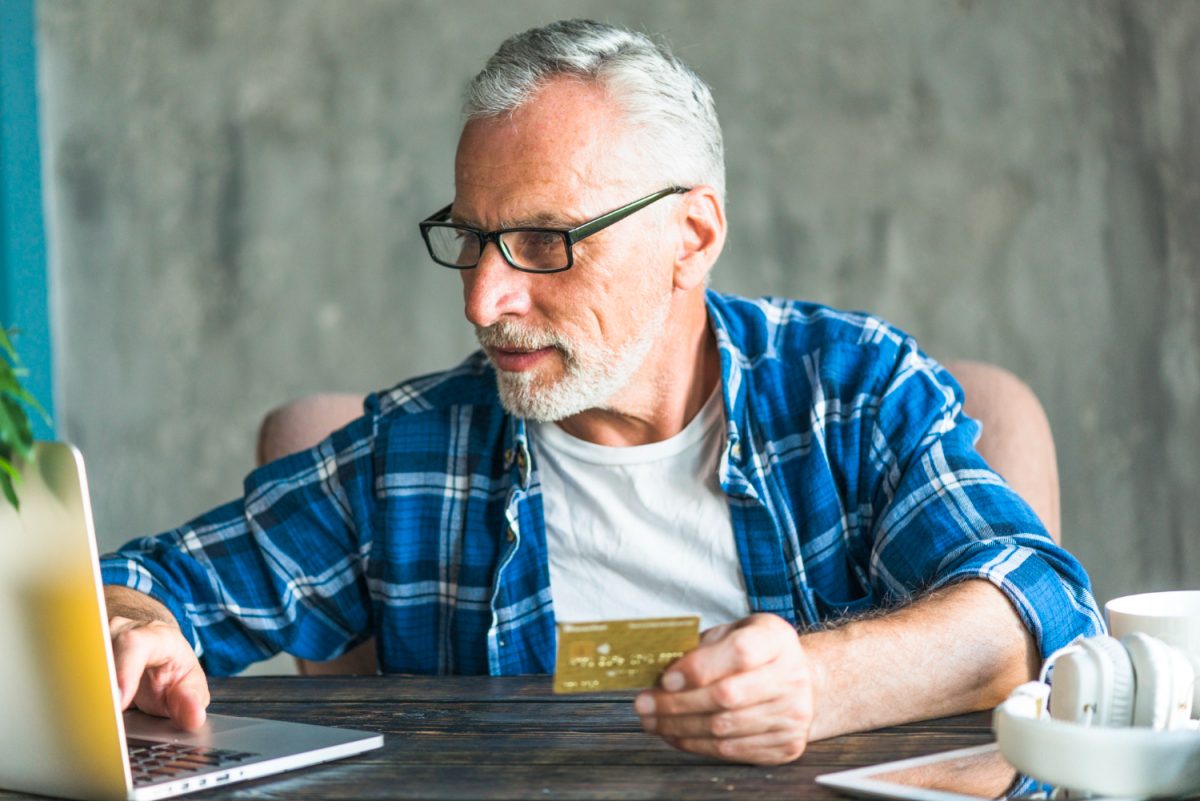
point(627, 443)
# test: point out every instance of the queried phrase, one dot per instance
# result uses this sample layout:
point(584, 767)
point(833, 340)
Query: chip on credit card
point(620, 654)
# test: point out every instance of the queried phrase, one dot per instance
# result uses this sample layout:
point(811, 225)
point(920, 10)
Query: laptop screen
point(63, 734)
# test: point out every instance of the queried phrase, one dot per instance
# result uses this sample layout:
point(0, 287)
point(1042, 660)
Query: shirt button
point(511, 535)
point(736, 450)
point(502, 643)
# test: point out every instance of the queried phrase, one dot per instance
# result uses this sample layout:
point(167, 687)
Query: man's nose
point(493, 290)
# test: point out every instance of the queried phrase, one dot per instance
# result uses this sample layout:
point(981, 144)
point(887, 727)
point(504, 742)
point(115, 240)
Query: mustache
point(508, 335)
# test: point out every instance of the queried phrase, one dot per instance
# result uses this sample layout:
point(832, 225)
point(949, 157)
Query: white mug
point(1173, 617)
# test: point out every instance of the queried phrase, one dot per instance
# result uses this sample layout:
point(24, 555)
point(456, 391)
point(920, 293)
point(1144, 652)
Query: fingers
point(188, 699)
point(158, 671)
point(778, 714)
point(772, 748)
point(729, 649)
point(130, 655)
point(739, 665)
point(733, 692)
point(745, 694)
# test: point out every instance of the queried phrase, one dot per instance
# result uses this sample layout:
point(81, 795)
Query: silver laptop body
point(64, 734)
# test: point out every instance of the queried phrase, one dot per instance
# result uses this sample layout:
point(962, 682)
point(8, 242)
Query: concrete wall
point(233, 191)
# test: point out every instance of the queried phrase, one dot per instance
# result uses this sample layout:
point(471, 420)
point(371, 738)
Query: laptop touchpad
point(143, 726)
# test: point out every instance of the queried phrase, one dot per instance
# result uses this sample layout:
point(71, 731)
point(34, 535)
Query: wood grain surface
point(512, 738)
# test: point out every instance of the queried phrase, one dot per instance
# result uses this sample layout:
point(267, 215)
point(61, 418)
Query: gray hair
point(659, 94)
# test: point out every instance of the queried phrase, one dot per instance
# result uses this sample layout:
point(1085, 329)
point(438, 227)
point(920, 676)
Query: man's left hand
point(744, 694)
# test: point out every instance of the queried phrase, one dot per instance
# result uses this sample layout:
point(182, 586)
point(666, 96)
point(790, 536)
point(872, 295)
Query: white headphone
point(1119, 720)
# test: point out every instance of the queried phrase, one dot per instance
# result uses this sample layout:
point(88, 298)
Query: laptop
point(64, 734)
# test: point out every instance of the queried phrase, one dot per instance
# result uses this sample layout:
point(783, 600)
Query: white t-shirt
point(642, 531)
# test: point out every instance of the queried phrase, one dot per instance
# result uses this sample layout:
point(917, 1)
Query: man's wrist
point(820, 649)
point(121, 601)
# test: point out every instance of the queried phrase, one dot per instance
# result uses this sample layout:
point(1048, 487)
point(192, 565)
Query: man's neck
point(676, 379)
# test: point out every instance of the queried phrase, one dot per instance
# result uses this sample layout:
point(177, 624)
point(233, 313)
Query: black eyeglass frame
point(570, 235)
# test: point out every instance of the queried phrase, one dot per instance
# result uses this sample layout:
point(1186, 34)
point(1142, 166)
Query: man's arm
point(931, 514)
point(756, 692)
point(958, 650)
point(156, 667)
point(241, 580)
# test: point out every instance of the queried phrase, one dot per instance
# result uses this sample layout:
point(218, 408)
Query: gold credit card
point(620, 654)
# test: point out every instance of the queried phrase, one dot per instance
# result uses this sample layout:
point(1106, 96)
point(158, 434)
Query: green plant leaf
point(9, 427)
point(10, 478)
point(10, 492)
point(7, 346)
point(18, 434)
point(11, 387)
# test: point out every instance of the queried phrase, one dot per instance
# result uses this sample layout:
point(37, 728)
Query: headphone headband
point(1115, 724)
point(1136, 762)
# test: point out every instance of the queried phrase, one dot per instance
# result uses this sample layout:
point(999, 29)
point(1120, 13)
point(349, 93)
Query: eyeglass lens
point(532, 250)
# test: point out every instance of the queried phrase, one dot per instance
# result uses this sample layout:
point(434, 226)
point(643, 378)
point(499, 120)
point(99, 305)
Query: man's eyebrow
point(551, 219)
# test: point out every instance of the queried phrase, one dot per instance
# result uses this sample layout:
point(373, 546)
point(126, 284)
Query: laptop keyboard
point(156, 762)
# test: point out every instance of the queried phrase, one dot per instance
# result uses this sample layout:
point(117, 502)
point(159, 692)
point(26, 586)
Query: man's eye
point(543, 240)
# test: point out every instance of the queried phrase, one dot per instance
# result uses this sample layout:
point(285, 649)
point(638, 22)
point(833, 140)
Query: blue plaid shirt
point(850, 470)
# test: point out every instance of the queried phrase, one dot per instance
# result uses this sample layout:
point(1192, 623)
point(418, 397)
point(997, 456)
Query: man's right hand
point(157, 670)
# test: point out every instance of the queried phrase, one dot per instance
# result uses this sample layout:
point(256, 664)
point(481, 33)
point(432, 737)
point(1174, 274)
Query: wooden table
point(511, 738)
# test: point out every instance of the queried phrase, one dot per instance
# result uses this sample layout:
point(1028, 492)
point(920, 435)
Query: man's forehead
point(531, 144)
point(570, 139)
point(489, 166)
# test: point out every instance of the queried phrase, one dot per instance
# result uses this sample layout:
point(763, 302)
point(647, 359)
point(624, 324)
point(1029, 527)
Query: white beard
point(590, 377)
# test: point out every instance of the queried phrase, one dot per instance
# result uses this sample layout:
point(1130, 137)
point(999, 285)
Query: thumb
point(715, 634)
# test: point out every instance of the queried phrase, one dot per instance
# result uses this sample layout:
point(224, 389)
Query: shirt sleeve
point(281, 569)
point(945, 516)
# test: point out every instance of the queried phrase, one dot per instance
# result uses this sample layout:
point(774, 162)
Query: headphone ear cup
point(1094, 684)
point(1116, 700)
point(1154, 680)
point(1164, 679)
point(1183, 686)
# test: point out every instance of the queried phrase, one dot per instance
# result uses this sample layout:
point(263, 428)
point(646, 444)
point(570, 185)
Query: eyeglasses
point(526, 248)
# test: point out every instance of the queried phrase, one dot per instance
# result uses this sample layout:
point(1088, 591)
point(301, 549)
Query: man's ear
point(701, 218)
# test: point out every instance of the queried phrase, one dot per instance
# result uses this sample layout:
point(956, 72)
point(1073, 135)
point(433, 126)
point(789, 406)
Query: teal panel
point(24, 293)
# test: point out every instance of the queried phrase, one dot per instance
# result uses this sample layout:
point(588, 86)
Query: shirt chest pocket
point(839, 581)
point(847, 600)
point(840, 591)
